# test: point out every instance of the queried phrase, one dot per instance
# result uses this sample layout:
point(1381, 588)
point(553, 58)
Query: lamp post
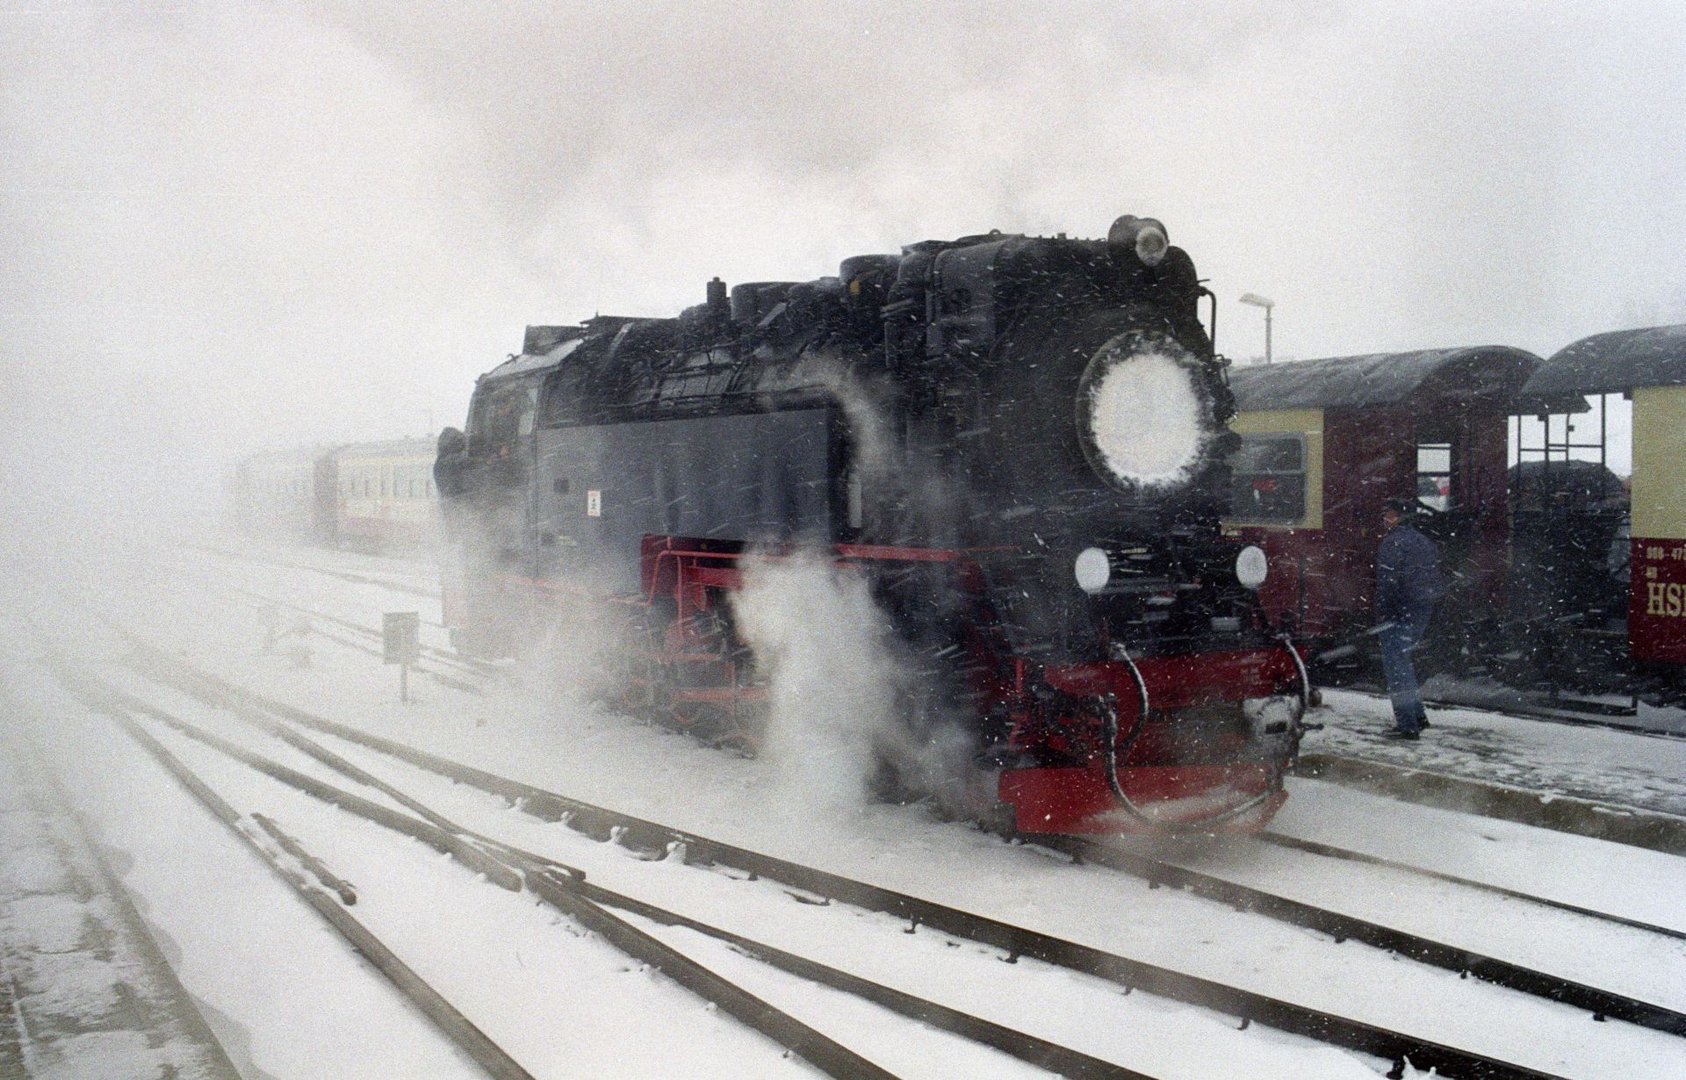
point(1259, 301)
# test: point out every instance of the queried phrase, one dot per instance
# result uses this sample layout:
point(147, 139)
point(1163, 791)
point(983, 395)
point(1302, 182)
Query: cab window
point(503, 418)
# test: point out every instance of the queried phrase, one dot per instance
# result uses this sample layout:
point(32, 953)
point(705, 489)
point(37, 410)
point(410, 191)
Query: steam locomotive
point(1018, 443)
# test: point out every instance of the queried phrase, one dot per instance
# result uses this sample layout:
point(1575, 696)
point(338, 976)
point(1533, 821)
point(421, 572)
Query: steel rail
point(566, 889)
point(318, 869)
point(1601, 1004)
point(445, 656)
point(359, 579)
point(445, 1016)
point(1330, 851)
point(1016, 941)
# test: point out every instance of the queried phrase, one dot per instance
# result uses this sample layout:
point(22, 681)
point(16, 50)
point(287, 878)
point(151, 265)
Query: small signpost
point(401, 635)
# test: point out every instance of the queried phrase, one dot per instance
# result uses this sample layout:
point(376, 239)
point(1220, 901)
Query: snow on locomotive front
point(1136, 684)
point(1019, 442)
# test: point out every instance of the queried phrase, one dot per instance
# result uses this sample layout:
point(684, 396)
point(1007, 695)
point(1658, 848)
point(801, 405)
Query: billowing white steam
point(1145, 415)
point(820, 640)
point(841, 689)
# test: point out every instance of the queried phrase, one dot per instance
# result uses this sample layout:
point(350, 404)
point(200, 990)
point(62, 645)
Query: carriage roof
point(1494, 372)
point(1618, 360)
point(389, 448)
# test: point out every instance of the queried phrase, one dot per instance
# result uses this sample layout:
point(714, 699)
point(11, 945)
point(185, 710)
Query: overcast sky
point(234, 226)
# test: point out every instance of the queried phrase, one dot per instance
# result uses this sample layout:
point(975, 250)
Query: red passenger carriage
point(1326, 442)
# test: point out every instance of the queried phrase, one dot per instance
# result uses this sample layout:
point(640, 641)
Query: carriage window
point(1434, 475)
point(1268, 483)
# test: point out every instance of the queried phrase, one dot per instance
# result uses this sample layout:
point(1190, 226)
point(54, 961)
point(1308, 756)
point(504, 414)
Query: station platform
point(1623, 785)
point(84, 990)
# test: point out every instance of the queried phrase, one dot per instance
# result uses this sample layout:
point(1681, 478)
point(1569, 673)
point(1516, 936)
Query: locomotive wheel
point(645, 687)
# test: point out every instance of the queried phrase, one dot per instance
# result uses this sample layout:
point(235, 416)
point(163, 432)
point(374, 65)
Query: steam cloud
point(840, 689)
point(821, 642)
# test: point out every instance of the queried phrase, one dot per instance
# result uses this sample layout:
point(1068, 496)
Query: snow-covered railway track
point(1332, 851)
point(1600, 1003)
point(342, 575)
point(1015, 941)
point(567, 889)
point(284, 858)
point(444, 665)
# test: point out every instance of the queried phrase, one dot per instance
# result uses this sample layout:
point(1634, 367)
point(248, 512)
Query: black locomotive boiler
point(1019, 442)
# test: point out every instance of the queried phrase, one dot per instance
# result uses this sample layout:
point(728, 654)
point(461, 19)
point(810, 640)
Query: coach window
point(1268, 480)
point(1434, 475)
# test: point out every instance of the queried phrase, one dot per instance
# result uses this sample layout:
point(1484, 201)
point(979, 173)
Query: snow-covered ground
point(288, 999)
point(1553, 758)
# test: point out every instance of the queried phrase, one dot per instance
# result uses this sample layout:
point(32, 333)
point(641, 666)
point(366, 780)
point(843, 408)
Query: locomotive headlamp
point(1142, 415)
point(1251, 566)
point(1093, 570)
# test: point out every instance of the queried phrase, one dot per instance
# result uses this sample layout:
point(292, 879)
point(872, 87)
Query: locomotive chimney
point(718, 307)
point(1143, 239)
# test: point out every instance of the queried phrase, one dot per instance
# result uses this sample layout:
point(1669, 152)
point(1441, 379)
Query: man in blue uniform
point(1407, 584)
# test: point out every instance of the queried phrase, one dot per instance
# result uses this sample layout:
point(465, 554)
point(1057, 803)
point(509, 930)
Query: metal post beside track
point(401, 638)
